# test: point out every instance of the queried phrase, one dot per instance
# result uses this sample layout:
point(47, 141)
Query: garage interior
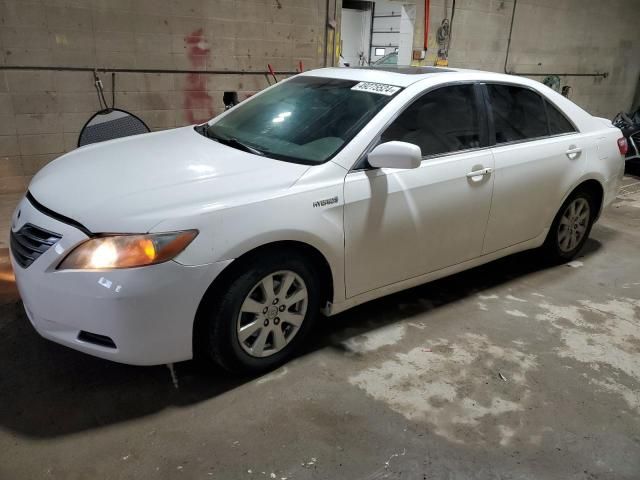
point(515, 369)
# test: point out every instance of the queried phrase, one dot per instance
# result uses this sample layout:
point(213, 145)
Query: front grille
point(28, 243)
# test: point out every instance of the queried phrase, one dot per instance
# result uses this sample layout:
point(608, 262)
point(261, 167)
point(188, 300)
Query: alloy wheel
point(573, 224)
point(272, 313)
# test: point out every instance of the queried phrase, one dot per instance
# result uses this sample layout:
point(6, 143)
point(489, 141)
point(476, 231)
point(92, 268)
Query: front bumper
point(147, 312)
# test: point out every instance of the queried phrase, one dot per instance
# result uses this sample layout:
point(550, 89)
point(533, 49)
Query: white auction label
point(379, 88)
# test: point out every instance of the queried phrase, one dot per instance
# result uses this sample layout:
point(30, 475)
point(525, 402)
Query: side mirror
point(395, 155)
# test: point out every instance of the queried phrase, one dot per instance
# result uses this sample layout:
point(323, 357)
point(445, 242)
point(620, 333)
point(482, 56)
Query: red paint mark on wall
point(198, 104)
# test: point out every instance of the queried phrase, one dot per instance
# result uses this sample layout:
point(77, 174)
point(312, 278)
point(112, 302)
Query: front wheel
point(262, 317)
point(571, 227)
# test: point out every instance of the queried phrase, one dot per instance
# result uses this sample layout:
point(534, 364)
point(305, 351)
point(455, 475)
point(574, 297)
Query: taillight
point(623, 146)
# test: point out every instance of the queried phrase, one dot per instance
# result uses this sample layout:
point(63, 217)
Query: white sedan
point(337, 186)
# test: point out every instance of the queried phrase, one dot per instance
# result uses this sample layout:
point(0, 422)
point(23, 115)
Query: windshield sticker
point(379, 88)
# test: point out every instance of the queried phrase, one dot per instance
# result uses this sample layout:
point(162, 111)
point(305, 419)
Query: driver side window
point(442, 121)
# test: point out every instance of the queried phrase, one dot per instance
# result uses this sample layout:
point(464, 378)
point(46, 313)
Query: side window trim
point(361, 163)
point(486, 103)
point(546, 115)
point(482, 114)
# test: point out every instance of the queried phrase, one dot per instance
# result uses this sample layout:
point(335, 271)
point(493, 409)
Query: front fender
point(229, 233)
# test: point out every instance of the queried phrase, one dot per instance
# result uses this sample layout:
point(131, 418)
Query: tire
point(244, 317)
point(561, 244)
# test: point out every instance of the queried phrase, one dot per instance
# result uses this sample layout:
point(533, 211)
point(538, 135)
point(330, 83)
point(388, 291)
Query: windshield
point(305, 120)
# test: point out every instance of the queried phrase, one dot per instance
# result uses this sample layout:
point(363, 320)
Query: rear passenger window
point(558, 123)
point(518, 113)
point(442, 121)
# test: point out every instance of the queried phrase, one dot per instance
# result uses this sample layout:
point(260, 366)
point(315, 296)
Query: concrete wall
point(564, 36)
point(42, 112)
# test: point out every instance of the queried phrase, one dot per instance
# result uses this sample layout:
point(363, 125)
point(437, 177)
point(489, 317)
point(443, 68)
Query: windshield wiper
point(235, 143)
point(231, 142)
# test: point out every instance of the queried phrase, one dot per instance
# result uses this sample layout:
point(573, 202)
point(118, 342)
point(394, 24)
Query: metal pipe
point(326, 34)
point(453, 12)
point(538, 74)
point(142, 70)
point(513, 15)
point(373, 16)
point(427, 8)
point(335, 33)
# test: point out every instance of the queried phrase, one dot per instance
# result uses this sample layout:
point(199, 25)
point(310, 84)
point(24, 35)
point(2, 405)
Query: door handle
point(573, 152)
point(479, 173)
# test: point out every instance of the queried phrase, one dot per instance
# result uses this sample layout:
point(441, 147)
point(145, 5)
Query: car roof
point(403, 76)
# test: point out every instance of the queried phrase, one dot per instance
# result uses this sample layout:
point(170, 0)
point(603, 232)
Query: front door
point(401, 224)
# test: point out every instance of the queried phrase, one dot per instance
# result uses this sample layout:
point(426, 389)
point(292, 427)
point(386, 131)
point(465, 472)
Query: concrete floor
point(512, 370)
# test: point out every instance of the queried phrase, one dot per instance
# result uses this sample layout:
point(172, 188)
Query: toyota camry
point(228, 240)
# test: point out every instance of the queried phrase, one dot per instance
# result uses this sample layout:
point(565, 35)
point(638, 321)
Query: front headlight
point(126, 251)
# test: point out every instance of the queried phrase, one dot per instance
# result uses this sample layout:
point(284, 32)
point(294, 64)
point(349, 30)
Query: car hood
point(133, 183)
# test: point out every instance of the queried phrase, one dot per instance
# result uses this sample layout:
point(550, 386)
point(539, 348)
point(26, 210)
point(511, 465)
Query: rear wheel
point(262, 317)
point(571, 227)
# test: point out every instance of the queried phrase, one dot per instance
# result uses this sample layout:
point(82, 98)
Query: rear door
point(401, 224)
point(538, 156)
